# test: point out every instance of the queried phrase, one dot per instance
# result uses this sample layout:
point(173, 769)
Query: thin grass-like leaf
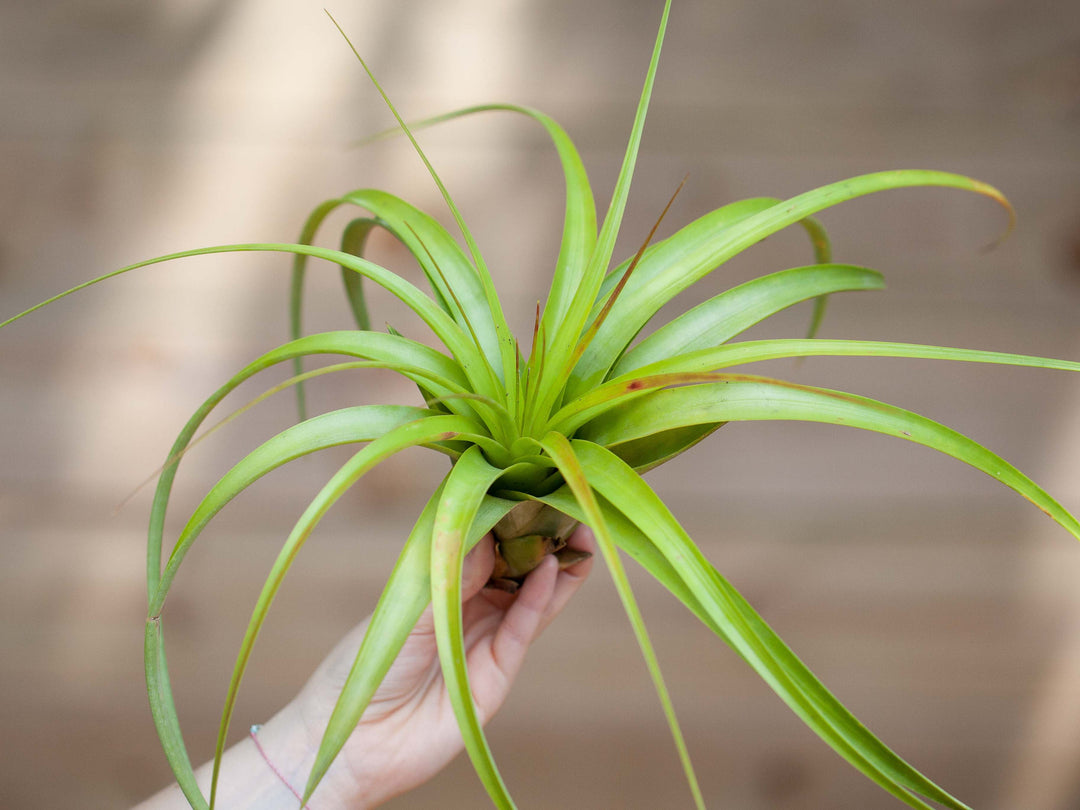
point(573, 324)
point(360, 423)
point(463, 349)
point(423, 431)
point(494, 306)
point(822, 712)
point(755, 351)
point(689, 368)
point(357, 344)
point(336, 368)
point(306, 437)
point(819, 238)
point(749, 398)
point(461, 499)
point(407, 593)
point(619, 394)
point(238, 412)
point(732, 312)
point(601, 316)
point(579, 224)
point(695, 251)
point(163, 711)
point(296, 289)
point(560, 450)
point(715, 221)
point(353, 240)
point(453, 278)
point(733, 619)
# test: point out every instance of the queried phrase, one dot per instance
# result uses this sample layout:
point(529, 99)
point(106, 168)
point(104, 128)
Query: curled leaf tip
point(989, 191)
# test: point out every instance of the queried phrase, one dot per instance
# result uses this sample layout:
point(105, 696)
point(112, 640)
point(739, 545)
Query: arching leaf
point(724, 316)
point(407, 593)
point(463, 492)
point(728, 614)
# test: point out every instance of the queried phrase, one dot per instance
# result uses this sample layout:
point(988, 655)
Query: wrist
point(287, 747)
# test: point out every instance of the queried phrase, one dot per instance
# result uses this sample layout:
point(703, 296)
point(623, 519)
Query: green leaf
point(651, 451)
point(407, 593)
point(296, 289)
point(361, 423)
point(819, 238)
point(451, 275)
point(506, 345)
point(748, 398)
point(695, 367)
point(461, 347)
point(809, 699)
point(163, 710)
point(572, 325)
point(630, 539)
point(307, 375)
point(356, 344)
point(421, 432)
point(666, 252)
point(353, 240)
point(725, 217)
point(755, 351)
point(579, 226)
point(464, 491)
point(580, 484)
point(732, 312)
point(728, 614)
point(696, 250)
point(292, 443)
point(609, 396)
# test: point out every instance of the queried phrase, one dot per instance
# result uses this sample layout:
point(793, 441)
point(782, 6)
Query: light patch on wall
point(255, 92)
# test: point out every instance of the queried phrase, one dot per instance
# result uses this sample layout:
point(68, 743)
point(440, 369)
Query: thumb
point(477, 568)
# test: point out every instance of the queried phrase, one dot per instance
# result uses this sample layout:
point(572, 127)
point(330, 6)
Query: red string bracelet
point(266, 759)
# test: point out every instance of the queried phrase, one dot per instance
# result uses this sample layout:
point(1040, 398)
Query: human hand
point(408, 732)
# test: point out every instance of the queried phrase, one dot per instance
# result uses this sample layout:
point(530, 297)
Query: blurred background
point(939, 606)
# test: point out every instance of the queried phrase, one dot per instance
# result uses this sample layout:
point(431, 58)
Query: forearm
point(248, 780)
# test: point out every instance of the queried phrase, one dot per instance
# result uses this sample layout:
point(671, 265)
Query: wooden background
point(940, 607)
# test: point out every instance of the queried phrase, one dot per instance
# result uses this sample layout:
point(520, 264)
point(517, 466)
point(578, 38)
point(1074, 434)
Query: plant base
point(528, 533)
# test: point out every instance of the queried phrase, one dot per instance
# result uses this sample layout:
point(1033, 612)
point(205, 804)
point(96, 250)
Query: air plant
point(545, 435)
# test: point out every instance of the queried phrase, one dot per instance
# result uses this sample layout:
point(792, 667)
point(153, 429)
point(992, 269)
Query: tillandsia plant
point(558, 430)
